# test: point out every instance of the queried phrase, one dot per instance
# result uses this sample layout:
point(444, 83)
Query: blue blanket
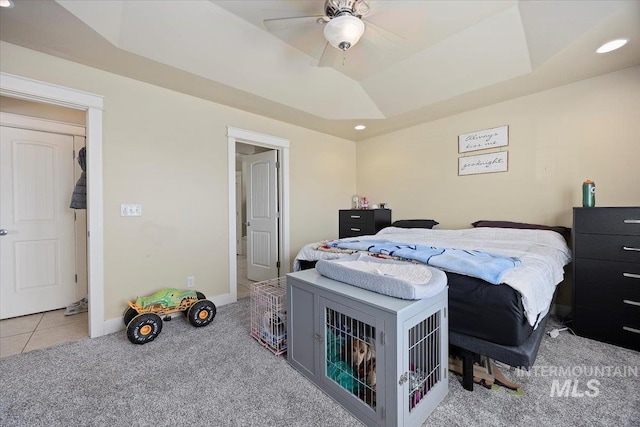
point(483, 265)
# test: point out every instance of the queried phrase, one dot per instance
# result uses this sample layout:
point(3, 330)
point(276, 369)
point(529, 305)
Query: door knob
point(3, 232)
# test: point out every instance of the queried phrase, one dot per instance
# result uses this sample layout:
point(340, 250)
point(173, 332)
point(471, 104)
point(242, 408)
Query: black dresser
point(360, 222)
point(606, 274)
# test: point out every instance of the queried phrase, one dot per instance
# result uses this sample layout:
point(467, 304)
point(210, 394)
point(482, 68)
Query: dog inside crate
point(274, 328)
point(351, 355)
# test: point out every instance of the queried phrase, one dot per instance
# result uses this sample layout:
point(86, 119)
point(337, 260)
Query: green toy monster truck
point(143, 320)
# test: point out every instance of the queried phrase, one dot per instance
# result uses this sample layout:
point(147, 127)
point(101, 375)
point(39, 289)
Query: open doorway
point(91, 106)
point(258, 249)
point(43, 274)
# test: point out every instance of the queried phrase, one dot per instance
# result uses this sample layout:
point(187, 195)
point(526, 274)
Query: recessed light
point(360, 127)
point(612, 45)
point(6, 3)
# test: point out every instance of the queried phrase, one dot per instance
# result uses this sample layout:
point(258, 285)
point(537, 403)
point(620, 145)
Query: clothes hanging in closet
point(79, 196)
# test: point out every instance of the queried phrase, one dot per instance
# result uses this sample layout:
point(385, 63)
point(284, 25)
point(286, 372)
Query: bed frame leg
point(467, 369)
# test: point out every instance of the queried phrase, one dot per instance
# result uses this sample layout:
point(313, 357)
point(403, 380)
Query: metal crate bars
point(269, 314)
point(424, 358)
point(351, 355)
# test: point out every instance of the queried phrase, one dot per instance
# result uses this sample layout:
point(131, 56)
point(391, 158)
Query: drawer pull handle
point(355, 216)
point(355, 229)
point(632, 221)
point(631, 275)
point(628, 301)
point(629, 248)
point(634, 330)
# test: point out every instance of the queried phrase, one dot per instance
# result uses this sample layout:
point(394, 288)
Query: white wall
point(42, 111)
point(168, 152)
point(557, 139)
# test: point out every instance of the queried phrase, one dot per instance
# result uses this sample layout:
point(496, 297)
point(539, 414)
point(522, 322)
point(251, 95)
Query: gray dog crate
point(383, 359)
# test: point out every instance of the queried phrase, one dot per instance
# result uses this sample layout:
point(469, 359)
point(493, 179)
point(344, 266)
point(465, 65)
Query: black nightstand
point(360, 222)
point(606, 275)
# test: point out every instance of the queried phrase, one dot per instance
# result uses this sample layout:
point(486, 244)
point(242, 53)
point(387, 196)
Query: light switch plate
point(130, 210)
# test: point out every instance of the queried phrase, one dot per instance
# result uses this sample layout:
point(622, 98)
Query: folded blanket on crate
point(385, 276)
point(483, 265)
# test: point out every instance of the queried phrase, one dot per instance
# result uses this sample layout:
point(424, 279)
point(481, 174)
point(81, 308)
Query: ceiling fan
point(344, 26)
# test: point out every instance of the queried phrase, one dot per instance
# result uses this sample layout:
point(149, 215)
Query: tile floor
point(41, 330)
point(244, 284)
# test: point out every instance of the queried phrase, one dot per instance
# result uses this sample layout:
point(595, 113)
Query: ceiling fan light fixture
point(344, 31)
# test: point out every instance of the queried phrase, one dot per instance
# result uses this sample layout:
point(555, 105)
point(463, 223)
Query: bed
point(504, 322)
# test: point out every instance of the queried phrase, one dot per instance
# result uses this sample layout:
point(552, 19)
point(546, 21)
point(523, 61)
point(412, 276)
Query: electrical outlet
point(191, 281)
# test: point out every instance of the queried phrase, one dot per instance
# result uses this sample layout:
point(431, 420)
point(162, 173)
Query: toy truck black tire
point(201, 313)
point(128, 316)
point(144, 328)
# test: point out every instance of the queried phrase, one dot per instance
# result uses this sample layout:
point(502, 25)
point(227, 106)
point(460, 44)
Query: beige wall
point(557, 139)
point(42, 111)
point(168, 152)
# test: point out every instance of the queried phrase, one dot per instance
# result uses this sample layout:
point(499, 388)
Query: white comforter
point(543, 255)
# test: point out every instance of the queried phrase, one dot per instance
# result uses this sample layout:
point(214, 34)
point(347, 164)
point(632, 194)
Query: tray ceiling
point(417, 61)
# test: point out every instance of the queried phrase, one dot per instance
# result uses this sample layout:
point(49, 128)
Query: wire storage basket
point(269, 314)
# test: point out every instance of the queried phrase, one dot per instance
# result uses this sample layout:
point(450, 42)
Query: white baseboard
point(221, 300)
point(113, 325)
point(116, 324)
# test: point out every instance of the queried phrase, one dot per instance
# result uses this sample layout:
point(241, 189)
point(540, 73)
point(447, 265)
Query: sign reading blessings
point(483, 139)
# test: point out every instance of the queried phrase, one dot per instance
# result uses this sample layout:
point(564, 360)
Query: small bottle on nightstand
point(588, 194)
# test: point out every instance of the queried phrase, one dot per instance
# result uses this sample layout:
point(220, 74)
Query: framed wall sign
point(483, 139)
point(483, 163)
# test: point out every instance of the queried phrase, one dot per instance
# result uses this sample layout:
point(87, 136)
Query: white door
point(262, 216)
point(82, 284)
point(37, 251)
point(239, 213)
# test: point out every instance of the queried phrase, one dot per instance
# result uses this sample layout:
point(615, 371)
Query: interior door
point(37, 250)
point(239, 213)
point(262, 216)
point(82, 280)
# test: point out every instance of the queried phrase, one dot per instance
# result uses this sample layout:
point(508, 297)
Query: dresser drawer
point(606, 284)
point(611, 247)
point(363, 222)
point(356, 216)
point(352, 229)
point(623, 220)
point(608, 327)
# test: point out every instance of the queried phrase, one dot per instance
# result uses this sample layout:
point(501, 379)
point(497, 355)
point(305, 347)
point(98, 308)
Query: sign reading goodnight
point(483, 139)
point(483, 163)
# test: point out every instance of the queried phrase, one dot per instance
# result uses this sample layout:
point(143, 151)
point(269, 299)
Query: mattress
point(482, 310)
point(504, 314)
point(542, 253)
point(488, 312)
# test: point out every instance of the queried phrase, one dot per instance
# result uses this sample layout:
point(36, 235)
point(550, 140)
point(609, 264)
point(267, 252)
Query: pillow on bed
point(415, 223)
point(564, 231)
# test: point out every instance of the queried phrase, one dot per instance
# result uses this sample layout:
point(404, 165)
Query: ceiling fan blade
point(383, 32)
point(277, 24)
point(329, 56)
